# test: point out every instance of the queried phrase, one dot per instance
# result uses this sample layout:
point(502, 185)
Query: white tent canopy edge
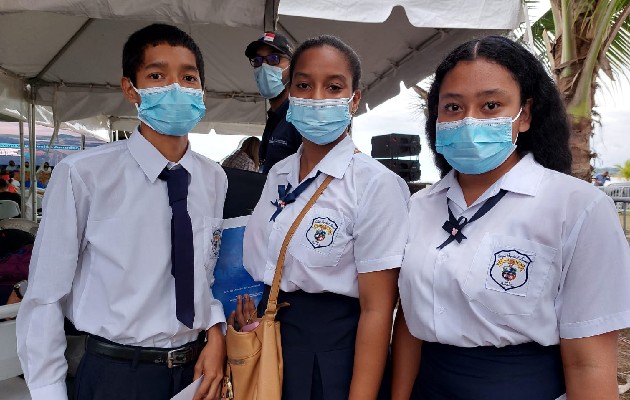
point(419, 34)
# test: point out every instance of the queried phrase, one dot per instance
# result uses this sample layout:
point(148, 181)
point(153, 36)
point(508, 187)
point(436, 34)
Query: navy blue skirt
point(318, 336)
point(522, 372)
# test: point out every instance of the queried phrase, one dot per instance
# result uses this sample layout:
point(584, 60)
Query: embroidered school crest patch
point(216, 242)
point(510, 269)
point(322, 232)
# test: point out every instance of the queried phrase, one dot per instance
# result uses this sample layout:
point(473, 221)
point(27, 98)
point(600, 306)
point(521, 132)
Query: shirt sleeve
point(40, 333)
point(217, 313)
point(381, 227)
point(594, 296)
point(255, 238)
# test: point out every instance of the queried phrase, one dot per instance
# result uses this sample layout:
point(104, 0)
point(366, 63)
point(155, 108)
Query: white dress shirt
point(549, 261)
point(358, 225)
point(102, 257)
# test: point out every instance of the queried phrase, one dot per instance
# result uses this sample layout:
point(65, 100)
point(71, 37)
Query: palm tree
point(582, 39)
point(624, 170)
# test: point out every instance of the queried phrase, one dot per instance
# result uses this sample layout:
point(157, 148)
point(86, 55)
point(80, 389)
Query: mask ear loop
point(137, 91)
point(518, 115)
point(514, 120)
point(352, 112)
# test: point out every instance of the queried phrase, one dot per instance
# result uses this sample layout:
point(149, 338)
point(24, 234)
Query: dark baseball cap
point(275, 40)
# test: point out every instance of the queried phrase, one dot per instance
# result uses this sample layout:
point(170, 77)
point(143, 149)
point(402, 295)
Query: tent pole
point(109, 128)
point(65, 47)
point(22, 173)
point(32, 145)
point(271, 15)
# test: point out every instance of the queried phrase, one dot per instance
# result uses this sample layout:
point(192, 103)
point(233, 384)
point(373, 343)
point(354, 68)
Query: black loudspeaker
point(409, 170)
point(395, 145)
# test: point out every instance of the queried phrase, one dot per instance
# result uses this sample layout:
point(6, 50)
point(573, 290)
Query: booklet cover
point(230, 277)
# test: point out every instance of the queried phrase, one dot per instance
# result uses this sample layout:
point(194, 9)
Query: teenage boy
point(270, 57)
point(129, 256)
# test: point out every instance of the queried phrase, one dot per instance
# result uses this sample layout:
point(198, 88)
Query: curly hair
point(548, 136)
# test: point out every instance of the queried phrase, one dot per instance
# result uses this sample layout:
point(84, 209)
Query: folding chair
point(9, 209)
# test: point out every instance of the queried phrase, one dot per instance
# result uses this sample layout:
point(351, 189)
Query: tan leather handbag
point(254, 359)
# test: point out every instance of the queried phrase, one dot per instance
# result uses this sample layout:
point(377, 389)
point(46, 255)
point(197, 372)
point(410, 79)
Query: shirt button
point(441, 310)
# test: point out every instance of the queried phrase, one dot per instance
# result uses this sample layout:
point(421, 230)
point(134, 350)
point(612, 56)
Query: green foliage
point(616, 51)
point(624, 170)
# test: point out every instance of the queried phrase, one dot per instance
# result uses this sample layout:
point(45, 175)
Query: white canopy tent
point(69, 51)
point(60, 60)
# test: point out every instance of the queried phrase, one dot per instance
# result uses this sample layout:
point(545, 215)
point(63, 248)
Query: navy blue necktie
point(454, 226)
point(285, 196)
point(182, 250)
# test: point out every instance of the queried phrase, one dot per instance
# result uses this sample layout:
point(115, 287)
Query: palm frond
point(617, 52)
point(544, 24)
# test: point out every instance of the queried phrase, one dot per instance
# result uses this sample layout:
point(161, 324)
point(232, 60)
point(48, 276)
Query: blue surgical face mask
point(171, 110)
point(320, 121)
point(475, 146)
point(269, 80)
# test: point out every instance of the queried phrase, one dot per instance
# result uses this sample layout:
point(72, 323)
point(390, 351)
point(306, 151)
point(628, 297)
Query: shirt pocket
point(212, 232)
point(508, 274)
point(320, 239)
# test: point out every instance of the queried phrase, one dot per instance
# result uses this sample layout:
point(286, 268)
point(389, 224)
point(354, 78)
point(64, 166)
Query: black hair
point(354, 63)
point(153, 35)
point(3, 184)
point(548, 135)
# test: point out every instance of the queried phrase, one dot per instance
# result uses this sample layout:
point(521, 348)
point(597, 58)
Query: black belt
point(172, 357)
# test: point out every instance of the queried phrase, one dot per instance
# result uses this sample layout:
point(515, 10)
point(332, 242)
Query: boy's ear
point(130, 93)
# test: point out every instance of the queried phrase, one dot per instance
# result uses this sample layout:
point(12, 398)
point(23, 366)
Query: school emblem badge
point(216, 242)
point(322, 232)
point(510, 269)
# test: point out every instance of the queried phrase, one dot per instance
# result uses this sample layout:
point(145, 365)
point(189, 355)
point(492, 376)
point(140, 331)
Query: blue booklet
point(230, 277)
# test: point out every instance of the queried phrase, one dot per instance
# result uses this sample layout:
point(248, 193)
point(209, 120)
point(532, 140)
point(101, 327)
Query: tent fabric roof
point(221, 12)
point(461, 14)
point(71, 49)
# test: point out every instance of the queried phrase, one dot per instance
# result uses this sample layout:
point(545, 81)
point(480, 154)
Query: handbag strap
point(272, 303)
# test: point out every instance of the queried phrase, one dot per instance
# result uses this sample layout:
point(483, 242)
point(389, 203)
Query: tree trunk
point(581, 132)
point(581, 126)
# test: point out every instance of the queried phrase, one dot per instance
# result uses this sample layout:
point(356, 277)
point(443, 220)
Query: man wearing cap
point(270, 56)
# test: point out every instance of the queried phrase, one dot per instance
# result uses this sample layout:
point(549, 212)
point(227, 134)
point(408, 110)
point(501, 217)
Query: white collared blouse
point(549, 261)
point(358, 225)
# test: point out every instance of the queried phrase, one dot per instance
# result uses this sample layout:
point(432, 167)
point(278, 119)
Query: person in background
point(27, 174)
point(43, 174)
point(270, 57)
point(12, 167)
point(14, 185)
point(246, 156)
point(147, 306)
point(600, 179)
point(342, 264)
point(516, 276)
